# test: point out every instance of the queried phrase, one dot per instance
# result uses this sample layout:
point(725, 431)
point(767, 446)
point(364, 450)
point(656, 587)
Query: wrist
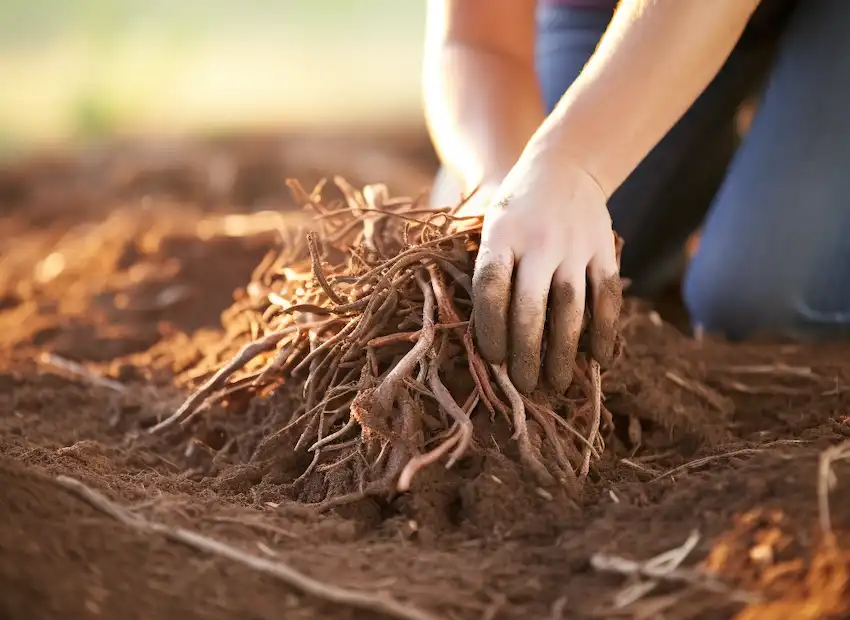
point(546, 153)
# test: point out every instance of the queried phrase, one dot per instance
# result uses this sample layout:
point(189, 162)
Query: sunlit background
point(76, 70)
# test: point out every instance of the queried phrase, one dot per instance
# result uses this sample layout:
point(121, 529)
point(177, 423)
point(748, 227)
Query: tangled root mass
point(367, 314)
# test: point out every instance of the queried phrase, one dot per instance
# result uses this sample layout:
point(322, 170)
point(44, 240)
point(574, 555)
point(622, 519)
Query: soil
point(122, 259)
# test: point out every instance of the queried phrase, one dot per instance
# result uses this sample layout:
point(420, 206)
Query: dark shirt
point(608, 5)
point(770, 16)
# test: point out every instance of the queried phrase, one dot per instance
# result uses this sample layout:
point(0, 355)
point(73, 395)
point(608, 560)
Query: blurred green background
point(83, 69)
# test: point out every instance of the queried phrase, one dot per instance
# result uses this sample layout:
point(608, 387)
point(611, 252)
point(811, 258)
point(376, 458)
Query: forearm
point(653, 62)
point(482, 104)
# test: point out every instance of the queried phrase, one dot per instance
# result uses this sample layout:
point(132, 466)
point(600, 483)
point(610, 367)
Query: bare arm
point(482, 102)
point(551, 233)
point(655, 59)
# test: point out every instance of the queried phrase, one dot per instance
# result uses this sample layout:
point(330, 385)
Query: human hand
point(546, 232)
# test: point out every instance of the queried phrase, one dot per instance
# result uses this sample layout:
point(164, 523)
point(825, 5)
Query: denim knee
point(736, 303)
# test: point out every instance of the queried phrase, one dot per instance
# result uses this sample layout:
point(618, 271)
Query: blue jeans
point(774, 254)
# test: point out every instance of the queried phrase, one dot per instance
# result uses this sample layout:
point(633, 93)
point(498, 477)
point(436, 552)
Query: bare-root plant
point(368, 315)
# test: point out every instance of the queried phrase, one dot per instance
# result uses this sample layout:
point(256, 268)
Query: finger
point(566, 313)
point(528, 315)
point(491, 297)
point(607, 303)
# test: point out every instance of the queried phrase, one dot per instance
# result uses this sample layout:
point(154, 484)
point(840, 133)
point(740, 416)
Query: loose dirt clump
point(132, 274)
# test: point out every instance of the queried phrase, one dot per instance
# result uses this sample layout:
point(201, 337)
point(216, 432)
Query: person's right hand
point(546, 231)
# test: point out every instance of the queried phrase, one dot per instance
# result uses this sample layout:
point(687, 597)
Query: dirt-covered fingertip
point(603, 343)
point(560, 377)
point(490, 339)
point(491, 296)
point(565, 322)
point(608, 302)
point(524, 371)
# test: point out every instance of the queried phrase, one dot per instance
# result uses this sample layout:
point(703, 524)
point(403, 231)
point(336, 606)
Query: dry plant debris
point(756, 550)
point(645, 576)
point(368, 314)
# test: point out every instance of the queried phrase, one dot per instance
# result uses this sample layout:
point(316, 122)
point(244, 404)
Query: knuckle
point(496, 222)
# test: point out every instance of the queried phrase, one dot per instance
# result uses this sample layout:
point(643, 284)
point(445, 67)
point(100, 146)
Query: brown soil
point(122, 259)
